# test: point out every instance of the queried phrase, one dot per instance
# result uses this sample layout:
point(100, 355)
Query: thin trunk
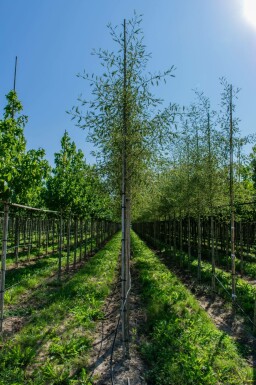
point(60, 248)
point(68, 243)
point(81, 241)
point(232, 213)
point(241, 249)
point(180, 242)
point(3, 263)
point(254, 318)
point(174, 237)
point(92, 234)
point(199, 248)
point(125, 220)
point(213, 257)
point(17, 239)
point(29, 238)
point(75, 242)
point(189, 242)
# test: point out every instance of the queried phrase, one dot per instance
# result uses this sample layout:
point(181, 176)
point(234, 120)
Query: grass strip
point(184, 346)
point(22, 279)
point(53, 347)
point(245, 291)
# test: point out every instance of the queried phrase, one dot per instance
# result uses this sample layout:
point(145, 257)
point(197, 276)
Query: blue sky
point(53, 39)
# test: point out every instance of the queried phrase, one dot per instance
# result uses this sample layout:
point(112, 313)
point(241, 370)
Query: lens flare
point(250, 11)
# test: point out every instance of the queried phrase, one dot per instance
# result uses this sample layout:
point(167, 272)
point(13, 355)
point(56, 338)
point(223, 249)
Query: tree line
point(27, 178)
point(177, 158)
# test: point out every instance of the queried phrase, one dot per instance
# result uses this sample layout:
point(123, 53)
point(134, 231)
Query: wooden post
point(47, 236)
point(199, 247)
point(53, 235)
point(81, 240)
point(180, 241)
point(174, 238)
point(17, 238)
point(60, 247)
point(3, 264)
point(39, 236)
point(254, 318)
point(189, 242)
point(68, 242)
point(231, 191)
point(213, 257)
point(92, 234)
point(241, 248)
point(75, 241)
point(29, 237)
point(85, 239)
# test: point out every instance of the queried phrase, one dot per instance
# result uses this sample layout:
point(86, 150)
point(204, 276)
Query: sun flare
point(250, 11)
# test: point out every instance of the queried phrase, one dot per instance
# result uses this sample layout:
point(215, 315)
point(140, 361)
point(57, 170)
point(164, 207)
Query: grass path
point(184, 347)
point(52, 348)
point(245, 288)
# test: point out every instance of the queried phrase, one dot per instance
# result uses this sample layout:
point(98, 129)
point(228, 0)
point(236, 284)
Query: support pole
point(125, 268)
point(3, 264)
point(231, 191)
point(254, 318)
point(213, 257)
point(60, 248)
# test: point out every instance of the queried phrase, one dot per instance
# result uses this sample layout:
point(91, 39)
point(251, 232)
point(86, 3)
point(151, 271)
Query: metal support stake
point(254, 319)
point(3, 264)
point(60, 248)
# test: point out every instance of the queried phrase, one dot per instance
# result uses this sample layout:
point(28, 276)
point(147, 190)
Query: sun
point(250, 11)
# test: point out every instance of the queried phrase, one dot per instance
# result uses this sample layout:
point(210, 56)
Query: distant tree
point(22, 172)
point(253, 166)
point(75, 186)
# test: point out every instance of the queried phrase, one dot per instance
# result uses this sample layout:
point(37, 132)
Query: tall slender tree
point(125, 124)
point(22, 172)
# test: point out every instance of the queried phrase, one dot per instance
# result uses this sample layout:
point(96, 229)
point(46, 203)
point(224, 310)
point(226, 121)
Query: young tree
point(124, 124)
point(22, 172)
point(75, 186)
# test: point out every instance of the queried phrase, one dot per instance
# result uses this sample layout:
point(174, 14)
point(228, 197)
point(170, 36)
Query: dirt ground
point(131, 371)
point(108, 365)
point(225, 317)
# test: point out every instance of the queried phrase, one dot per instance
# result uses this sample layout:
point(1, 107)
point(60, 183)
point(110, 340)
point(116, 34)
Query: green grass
point(245, 292)
point(26, 277)
point(184, 347)
point(53, 347)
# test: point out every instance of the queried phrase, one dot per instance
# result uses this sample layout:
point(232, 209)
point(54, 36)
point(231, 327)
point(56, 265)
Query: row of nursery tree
point(26, 177)
point(190, 176)
point(203, 164)
point(169, 162)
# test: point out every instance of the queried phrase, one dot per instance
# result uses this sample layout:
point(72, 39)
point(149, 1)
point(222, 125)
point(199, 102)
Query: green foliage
point(68, 349)
point(75, 186)
point(183, 347)
point(122, 112)
point(194, 178)
point(22, 173)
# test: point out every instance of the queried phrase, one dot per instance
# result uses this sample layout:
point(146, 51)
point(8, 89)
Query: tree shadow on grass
point(16, 275)
point(54, 306)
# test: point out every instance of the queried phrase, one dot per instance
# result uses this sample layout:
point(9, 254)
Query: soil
point(12, 324)
point(222, 313)
point(227, 320)
point(108, 365)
